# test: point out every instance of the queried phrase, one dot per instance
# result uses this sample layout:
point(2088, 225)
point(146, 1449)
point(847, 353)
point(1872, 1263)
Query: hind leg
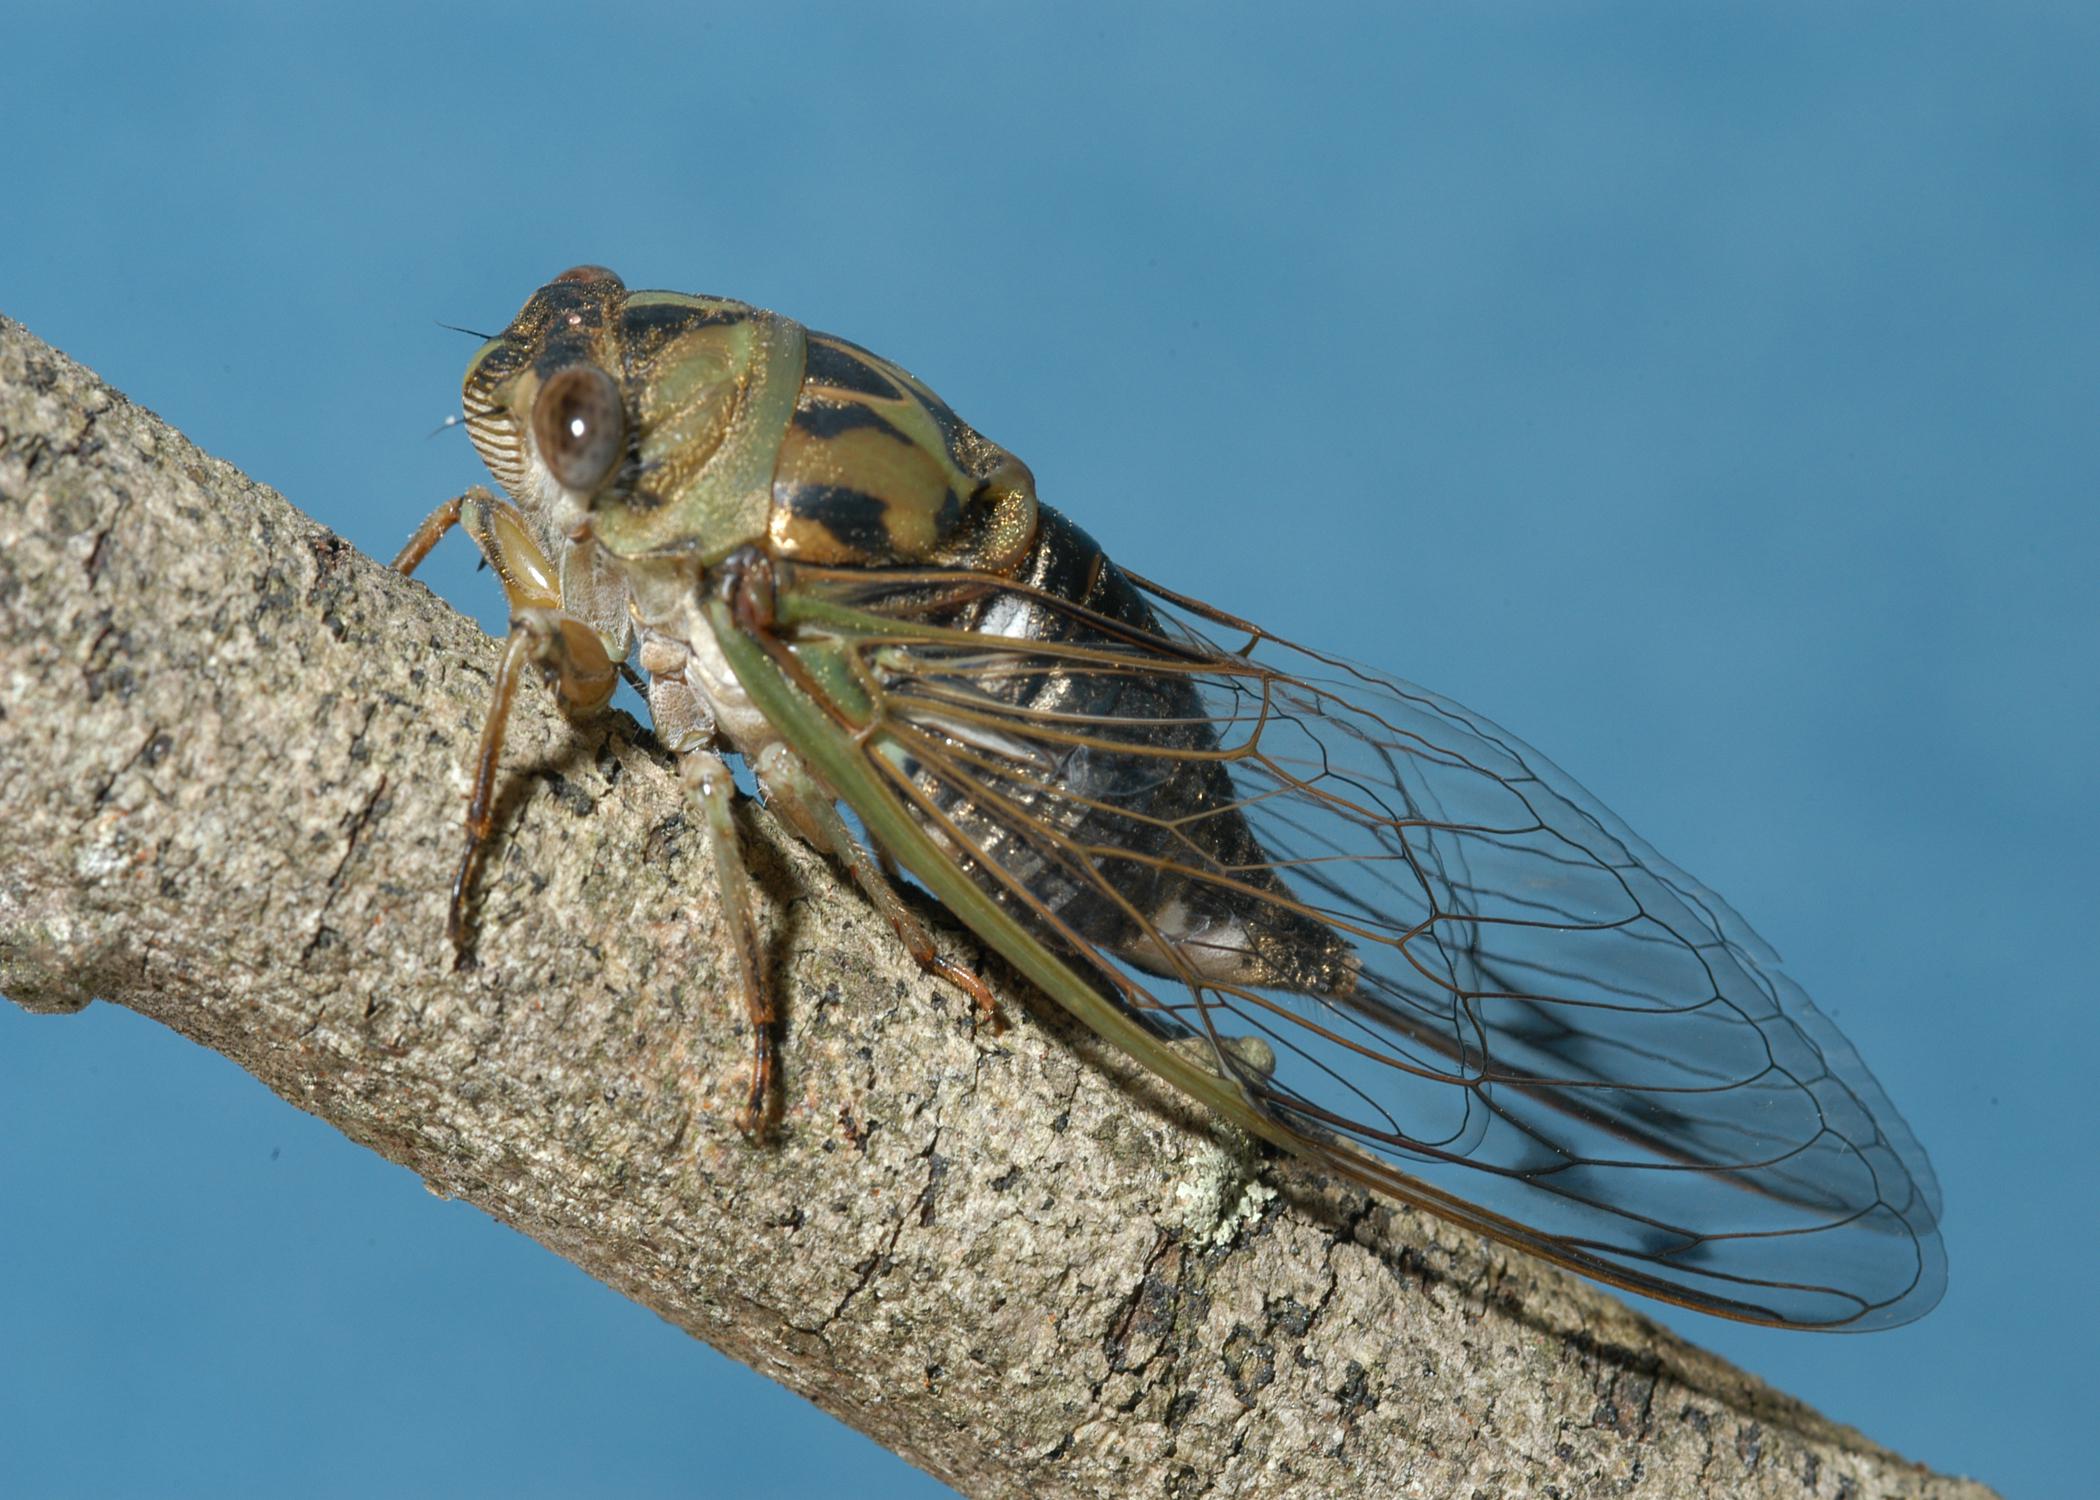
point(810, 809)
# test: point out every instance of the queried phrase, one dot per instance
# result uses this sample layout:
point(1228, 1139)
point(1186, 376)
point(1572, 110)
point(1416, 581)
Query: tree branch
point(231, 762)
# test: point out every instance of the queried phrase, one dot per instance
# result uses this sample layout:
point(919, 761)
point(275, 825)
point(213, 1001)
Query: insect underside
point(1354, 919)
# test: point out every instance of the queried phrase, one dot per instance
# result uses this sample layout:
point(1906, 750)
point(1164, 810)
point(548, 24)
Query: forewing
point(1475, 988)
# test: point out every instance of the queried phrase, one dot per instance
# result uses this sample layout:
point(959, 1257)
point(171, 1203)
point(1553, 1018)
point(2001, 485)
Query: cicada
point(1351, 917)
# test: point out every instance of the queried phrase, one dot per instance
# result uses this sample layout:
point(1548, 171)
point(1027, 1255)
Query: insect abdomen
point(1172, 868)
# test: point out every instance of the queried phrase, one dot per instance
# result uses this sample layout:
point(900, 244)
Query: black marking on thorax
point(856, 518)
point(827, 419)
point(847, 367)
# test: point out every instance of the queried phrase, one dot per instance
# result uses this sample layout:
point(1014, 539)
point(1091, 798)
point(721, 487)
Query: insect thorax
point(740, 428)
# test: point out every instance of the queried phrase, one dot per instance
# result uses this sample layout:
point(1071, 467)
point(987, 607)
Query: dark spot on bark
point(1250, 1363)
point(665, 839)
point(936, 1169)
point(108, 668)
point(856, 1133)
point(330, 552)
point(273, 592)
point(569, 795)
point(1355, 1394)
point(1289, 1315)
point(1624, 1408)
point(1749, 1444)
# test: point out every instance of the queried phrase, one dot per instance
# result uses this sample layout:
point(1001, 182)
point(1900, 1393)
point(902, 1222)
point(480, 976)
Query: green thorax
point(739, 427)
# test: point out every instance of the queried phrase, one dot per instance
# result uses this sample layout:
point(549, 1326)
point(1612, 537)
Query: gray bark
point(231, 765)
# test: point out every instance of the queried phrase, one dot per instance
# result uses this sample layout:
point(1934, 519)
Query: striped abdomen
point(1172, 879)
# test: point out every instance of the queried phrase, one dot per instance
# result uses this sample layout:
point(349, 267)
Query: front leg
point(572, 661)
point(500, 529)
point(568, 653)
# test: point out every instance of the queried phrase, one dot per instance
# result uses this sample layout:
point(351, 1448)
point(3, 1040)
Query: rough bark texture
point(231, 762)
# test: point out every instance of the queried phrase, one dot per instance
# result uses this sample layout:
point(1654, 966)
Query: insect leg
point(710, 784)
point(572, 661)
point(499, 528)
point(812, 812)
point(569, 654)
point(430, 533)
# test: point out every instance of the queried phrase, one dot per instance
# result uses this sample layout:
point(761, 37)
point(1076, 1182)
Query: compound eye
point(576, 422)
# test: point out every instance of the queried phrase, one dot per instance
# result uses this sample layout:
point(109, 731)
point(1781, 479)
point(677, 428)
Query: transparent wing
point(1435, 963)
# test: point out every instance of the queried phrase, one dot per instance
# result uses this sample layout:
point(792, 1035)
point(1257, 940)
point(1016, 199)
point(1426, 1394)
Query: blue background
point(1704, 391)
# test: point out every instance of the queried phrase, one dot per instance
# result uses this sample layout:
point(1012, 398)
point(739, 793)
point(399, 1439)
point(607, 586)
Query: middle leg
point(813, 813)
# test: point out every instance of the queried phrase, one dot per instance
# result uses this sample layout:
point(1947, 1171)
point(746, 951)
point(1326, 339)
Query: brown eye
point(576, 422)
